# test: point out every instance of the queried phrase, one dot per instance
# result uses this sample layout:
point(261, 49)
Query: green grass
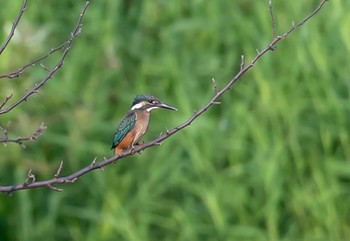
point(272, 162)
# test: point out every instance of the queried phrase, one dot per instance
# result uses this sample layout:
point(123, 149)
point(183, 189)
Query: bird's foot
point(133, 148)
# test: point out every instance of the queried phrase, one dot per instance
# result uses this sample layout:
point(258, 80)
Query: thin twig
point(93, 163)
point(273, 20)
point(14, 26)
point(20, 140)
point(19, 71)
point(59, 169)
point(99, 165)
point(30, 178)
point(54, 188)
point(242, 62)
point(7, 98)
point(215, 85)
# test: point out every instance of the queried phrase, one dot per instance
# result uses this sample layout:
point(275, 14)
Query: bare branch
point(100, 165)
point(54, 188)
point(7, 98)
point(242, 62)
point(93, 163)
point(273, 20)
point(20, 140)
point(59, 169)
point(14, 26)
point(76, 31)
point(215, 85)
point(30, 178)
point(19, 71)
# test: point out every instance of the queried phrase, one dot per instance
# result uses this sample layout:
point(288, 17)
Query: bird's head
point(146, 102)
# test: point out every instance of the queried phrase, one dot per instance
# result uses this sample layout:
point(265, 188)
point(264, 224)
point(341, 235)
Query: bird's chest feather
point(141, 124)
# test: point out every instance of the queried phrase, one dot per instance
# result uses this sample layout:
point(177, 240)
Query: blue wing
point(127, 123)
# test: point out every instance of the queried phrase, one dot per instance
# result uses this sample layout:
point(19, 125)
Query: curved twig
point(14, 26)
point(19, 71)
point(21, 140)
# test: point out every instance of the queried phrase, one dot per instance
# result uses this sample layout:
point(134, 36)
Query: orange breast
point(141, 125)
point(125, 143)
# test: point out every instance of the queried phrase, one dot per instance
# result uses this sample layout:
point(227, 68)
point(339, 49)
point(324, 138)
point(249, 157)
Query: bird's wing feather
point(127, 123)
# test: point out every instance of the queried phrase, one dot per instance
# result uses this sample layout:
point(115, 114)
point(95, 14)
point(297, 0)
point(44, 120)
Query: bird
point(135, 123)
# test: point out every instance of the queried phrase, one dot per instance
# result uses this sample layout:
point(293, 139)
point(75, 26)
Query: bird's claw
point(133, 151)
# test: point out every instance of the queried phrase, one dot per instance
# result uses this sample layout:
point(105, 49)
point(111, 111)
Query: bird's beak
point(161, 105)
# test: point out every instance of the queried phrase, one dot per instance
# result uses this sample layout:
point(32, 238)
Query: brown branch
point(30, 178)
point(14, 26)
point(215, 85)
point(76, 31)
point(59, 169)
point(19, 71)
point(99, 165)
point(20, 140)
point(273, 20)
point(7, 98)
point(242, 62)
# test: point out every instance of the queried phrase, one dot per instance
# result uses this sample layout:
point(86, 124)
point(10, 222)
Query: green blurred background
point(272, 162)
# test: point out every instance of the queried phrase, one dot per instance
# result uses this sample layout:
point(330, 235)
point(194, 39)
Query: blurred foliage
point(272, 162)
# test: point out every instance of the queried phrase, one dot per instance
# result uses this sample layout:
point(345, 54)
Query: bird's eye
point(152, 102)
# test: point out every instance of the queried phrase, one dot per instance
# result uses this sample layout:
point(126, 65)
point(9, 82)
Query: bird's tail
point(117, 151)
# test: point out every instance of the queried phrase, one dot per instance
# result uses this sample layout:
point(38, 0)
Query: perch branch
point(99, 165)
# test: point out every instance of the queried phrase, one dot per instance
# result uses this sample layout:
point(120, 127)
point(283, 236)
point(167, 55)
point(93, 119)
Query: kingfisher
point(135, 123)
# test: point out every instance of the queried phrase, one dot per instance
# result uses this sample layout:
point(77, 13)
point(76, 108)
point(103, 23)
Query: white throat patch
point(149, 109)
